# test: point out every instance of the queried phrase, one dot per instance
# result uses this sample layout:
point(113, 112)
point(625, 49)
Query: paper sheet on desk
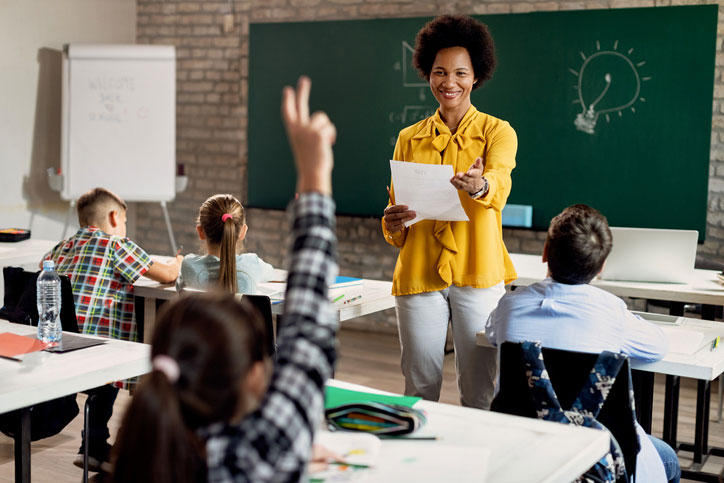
point(426, 189)
point(437, 462)
point(683, 341)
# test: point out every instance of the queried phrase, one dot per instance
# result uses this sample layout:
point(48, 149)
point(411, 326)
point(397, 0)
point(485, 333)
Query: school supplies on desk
point(376, 418)
point(350, 300)
point(14, 344)
point(373, 413)
point(13, 234)
point(336, 396)
point(74, 342)
point(342, 282)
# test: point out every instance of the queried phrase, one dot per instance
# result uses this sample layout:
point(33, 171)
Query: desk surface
point(701, 288)
point(376, 296)
point(519, 449)
point(42, 376)
point(705, 364)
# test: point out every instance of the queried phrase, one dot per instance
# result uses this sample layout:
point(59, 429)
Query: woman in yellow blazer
point(453, 272)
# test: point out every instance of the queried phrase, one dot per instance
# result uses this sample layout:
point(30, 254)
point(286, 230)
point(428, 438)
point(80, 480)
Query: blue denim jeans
point(669, 458)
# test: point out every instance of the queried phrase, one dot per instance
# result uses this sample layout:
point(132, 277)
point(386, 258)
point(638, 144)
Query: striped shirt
point(102, 269)
point(273, 443)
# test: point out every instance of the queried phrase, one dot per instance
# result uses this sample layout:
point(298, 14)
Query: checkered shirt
point(102, 269)
point(273, 443)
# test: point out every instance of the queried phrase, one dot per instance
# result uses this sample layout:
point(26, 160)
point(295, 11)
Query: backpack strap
point(544, 396)
point(599, 383)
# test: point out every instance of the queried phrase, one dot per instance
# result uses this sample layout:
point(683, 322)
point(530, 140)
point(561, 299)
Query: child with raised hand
point(221, 224)
point(212, 408)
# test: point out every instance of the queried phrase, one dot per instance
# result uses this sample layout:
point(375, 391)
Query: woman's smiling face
point(452, 78)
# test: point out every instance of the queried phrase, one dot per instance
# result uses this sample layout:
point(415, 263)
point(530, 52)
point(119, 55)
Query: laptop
point(651, 255)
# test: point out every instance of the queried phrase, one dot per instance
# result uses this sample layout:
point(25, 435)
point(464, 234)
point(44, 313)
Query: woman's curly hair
point(455, 31)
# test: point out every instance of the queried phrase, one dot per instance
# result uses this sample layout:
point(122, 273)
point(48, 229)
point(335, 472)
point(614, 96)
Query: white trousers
point(423, 321)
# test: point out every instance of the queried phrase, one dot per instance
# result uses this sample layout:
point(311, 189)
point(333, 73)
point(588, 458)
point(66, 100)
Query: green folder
point(335, 396)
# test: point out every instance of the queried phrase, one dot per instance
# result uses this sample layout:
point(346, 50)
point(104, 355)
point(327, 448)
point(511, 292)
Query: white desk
point(25, 253)
point(520, 449)
point(701, 288)
point(376, 296)
point(42, 376)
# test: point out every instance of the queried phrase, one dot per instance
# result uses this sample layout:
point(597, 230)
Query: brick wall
point(212, 80)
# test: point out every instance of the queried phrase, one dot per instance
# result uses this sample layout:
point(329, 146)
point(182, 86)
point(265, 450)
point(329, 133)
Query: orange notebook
point(13, 344)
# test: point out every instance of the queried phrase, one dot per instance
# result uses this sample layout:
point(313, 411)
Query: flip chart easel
point(119, 124)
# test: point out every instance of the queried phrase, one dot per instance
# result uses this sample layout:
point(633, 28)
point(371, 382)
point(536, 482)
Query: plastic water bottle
point(49, 328)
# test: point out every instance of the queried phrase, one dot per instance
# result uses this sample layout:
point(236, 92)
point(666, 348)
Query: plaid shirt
point(102, 269)
point(273, 443)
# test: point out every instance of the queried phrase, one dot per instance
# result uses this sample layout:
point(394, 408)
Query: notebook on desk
point(651, 255)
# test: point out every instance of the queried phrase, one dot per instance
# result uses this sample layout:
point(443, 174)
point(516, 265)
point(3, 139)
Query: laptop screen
point(651, 255)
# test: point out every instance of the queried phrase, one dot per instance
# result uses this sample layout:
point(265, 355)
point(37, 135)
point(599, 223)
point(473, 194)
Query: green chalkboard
point(641, 157)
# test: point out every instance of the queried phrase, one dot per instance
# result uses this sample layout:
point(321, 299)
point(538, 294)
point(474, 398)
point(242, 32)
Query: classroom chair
point(568, 371)
point(20, 306)
point(262, 303)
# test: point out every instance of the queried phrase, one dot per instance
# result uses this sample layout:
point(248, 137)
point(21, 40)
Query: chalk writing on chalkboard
point(608, 82)
point(410, 113)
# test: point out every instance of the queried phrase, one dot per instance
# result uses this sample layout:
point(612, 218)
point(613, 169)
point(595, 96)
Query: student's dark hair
point(579, 242)
point(455, 31)
point(214, 338)
point(223, 233)
point(94, 205)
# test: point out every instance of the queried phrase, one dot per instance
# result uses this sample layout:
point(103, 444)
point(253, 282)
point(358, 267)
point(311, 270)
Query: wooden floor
point(366, 358)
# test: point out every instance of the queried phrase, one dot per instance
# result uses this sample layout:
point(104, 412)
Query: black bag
point(48, 418)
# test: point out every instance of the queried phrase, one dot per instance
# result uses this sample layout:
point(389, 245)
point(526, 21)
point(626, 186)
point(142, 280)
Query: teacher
point(453, 271)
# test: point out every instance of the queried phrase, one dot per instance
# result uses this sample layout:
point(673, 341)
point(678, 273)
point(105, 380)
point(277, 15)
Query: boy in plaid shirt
point(103, 264)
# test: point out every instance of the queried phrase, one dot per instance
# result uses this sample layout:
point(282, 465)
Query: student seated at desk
point(103, 264)
point(222, 226)
point(565, 312)
point(204, 412)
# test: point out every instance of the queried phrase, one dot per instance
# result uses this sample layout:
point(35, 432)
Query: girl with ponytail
point(222, 226)
point(209, 364)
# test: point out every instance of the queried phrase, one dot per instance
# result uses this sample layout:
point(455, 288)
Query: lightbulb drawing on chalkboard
point(608, 82)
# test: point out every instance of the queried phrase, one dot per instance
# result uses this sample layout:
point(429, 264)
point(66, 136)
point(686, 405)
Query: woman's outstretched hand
point(471, 180)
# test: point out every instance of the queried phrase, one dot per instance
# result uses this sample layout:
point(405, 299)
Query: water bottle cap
point(48, 264)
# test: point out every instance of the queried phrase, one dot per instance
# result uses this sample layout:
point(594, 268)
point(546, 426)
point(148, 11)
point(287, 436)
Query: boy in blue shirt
point(565, 312)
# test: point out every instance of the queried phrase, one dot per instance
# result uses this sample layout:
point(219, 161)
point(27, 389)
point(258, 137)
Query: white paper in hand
point(426, 189)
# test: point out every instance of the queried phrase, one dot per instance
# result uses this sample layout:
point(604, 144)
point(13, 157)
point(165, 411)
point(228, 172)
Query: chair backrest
point(21, 298)
point(263, 304)
point(50, 417)
point(568, 371)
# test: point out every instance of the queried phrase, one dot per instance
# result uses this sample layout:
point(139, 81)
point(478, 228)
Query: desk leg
point(149, 318)
point(22, 448)
point(671, 409)
point(676, 308)
point(701, 431)
point(708, 312)
point(644, 397)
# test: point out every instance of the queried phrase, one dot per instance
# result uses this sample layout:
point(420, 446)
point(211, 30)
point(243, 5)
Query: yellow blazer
point(435, 254)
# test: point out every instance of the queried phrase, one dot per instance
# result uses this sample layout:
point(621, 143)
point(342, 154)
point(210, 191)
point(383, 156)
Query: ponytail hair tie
point(226, 217)
point(167, 366)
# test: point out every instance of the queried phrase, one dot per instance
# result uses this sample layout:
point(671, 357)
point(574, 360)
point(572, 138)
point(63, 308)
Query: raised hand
point(311, 139)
